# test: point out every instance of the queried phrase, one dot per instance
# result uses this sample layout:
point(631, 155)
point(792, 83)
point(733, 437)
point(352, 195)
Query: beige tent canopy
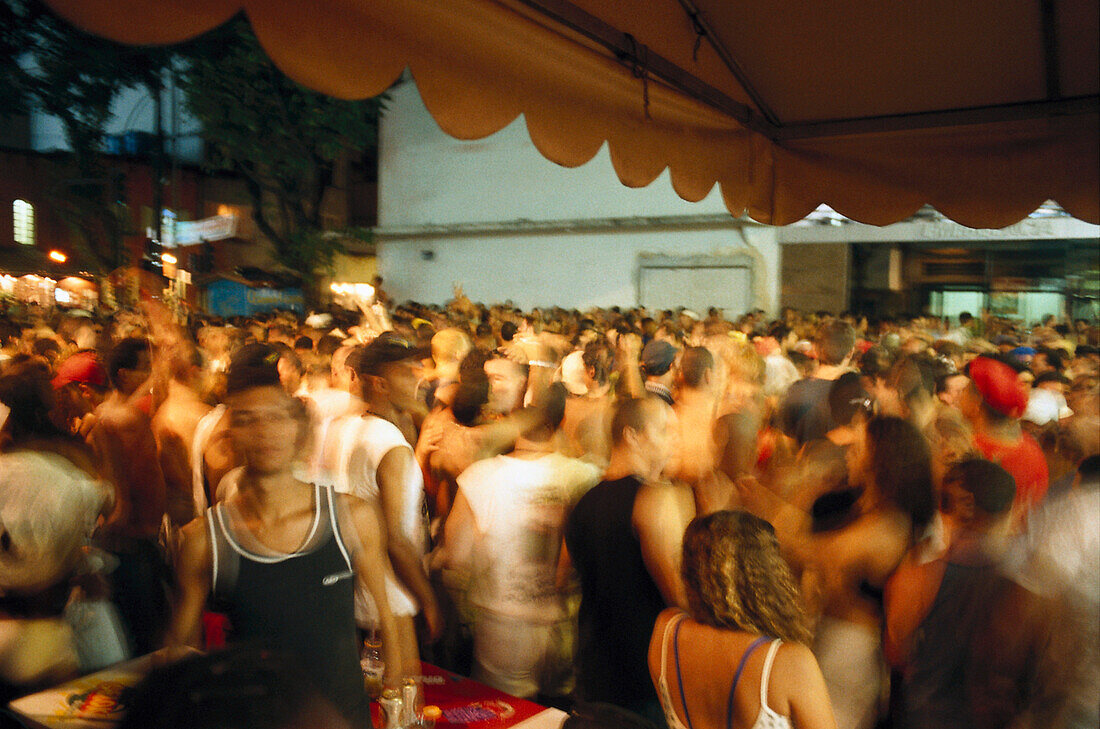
point(983, 109)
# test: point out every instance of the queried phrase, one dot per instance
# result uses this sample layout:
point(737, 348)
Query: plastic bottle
point(392, 709)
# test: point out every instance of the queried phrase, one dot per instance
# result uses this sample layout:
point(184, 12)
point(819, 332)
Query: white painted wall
point(484, 196)
point(426, 176)
point(573, 270)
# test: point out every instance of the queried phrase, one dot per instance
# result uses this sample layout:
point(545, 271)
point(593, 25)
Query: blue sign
point(231, 298)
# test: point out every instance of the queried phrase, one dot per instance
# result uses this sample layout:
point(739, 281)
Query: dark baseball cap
point(657, 357)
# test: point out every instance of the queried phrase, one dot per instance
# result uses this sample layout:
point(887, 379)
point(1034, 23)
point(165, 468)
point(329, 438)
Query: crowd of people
point(813, 521)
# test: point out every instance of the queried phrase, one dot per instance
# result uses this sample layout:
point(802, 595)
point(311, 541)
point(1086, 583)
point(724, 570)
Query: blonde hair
point(736, 578)
point(745, 364)
point(449, 346)
point(950, 437)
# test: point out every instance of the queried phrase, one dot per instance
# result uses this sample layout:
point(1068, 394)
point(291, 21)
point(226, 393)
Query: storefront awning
point(983, 109)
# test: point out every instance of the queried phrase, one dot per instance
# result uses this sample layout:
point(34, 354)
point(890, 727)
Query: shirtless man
point(122, 439)
point(449, 348)
point(281, 556)
point(174, 430)
point(587, 420)
point(693, 460)
point(80, 385)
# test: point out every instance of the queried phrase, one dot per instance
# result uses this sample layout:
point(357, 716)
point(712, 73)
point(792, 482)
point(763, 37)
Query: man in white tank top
point(365, 454)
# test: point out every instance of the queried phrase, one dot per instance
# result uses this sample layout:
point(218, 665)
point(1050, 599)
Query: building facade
point(495, 217)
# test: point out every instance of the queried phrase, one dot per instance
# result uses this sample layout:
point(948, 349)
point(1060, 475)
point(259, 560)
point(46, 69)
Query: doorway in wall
point(696, 282)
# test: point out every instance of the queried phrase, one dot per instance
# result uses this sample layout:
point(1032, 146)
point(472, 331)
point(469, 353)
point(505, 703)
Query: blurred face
point(970, 402)
point(131, 379)
point(953, 390)
point(957, 502)
point(289, 376)
point(886, 398)
point(86, 336)
point(402, 379)
point(913, 346)
point(507, 385)
point(75, 400)
point(264, 430)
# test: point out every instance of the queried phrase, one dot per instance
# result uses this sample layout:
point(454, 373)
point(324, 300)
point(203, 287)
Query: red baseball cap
point(999, 386)
point(83, 367)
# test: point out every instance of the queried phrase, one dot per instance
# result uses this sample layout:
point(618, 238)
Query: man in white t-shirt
point(365, 454)
point(506, 531)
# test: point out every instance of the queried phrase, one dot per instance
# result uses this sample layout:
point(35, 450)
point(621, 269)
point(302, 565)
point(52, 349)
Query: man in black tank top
point(281, 556)
point(624, 537)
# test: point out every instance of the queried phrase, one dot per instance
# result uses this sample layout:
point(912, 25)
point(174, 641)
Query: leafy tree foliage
point(52, 66)
point(283, 139)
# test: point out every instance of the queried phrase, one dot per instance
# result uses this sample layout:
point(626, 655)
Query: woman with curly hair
point(706, 664)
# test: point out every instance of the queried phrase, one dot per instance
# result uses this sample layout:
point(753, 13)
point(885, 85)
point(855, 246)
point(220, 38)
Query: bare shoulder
point(663, 500)
point(163, 417)
point(663, 493)
point(797, 688)
point(795, 668)
point(195, 549)
point(122, 416)
point(657, 638)
point(795, 657)
point(195, 530)
point(662, 620)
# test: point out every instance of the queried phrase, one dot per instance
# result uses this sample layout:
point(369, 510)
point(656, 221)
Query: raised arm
point(628, 349)
point(497, 437)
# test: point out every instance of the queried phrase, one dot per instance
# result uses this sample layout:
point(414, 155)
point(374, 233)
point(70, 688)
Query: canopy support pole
point(629, 52)
point(950, 118)
point(707, 31)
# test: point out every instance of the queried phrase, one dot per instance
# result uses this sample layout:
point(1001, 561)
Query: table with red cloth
point(468, 704)
point(87, 702)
